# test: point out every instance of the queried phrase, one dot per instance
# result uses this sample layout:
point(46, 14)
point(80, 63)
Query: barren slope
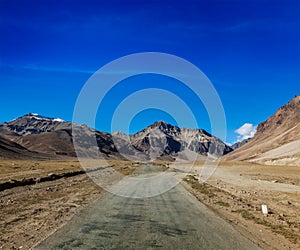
point(12, 150)
point(53, 136)
point(277, 140)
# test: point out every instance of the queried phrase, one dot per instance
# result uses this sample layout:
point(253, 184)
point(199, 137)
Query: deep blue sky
point(250, 50)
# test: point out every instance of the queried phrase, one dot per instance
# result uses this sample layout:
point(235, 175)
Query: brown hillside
point(277, 140)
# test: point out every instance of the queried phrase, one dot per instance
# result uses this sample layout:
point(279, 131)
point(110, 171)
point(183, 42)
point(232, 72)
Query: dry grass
point(31, 213)
point(203, 188)
point(222, 203)
point(20, 169)
point(232, 204)
point(280, 229)
point(125, 170)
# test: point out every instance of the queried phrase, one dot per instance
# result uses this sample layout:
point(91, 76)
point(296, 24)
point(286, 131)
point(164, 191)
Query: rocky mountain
point(53, 136)
point(277, 140)
point(34, 124)
point(158, 141)
point(165, 141)
point(240, 144)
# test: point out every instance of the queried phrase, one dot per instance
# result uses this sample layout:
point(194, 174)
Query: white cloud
point(246, 131)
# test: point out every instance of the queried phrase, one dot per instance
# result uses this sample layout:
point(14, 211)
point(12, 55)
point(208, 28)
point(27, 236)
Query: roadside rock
point(285, 202)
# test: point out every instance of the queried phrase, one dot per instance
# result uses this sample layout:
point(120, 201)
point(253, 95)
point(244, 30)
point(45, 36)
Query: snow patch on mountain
point(58, 120)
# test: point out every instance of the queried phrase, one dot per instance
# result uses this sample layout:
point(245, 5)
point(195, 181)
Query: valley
point(45, 189)
point(235, 192)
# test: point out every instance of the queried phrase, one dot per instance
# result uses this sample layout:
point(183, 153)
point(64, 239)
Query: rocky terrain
point(39, 196)
point(240, 144)
point(237, 190)
point(53, 137)
point(159, 141)
point(31, 212)
point(42, 185)
point(162, 139)
point(277, 140)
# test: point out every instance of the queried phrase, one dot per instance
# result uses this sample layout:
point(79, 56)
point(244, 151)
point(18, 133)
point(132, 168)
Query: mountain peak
point(32, 114)
point(40, 117)
point(37, 116)
point(33, 123)
point(162, 125)
point(161, 139)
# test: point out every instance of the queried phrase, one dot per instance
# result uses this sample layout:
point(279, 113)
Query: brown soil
point(237, 192)
point(30, 213)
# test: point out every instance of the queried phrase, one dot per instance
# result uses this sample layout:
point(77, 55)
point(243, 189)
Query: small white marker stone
point(264, 209)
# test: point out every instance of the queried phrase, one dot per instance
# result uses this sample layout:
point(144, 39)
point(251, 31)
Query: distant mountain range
point(240, 143)
point(277, 140)
point(34, 134)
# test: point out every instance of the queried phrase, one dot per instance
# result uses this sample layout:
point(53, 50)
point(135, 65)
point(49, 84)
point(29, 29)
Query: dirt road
point(172, 220)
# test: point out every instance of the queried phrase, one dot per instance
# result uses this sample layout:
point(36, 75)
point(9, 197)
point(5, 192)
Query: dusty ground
point(30, 213)
point(237, 191)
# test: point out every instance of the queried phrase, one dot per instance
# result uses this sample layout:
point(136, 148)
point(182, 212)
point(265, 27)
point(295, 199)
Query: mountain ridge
point(277, 140)
point(158, 140)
